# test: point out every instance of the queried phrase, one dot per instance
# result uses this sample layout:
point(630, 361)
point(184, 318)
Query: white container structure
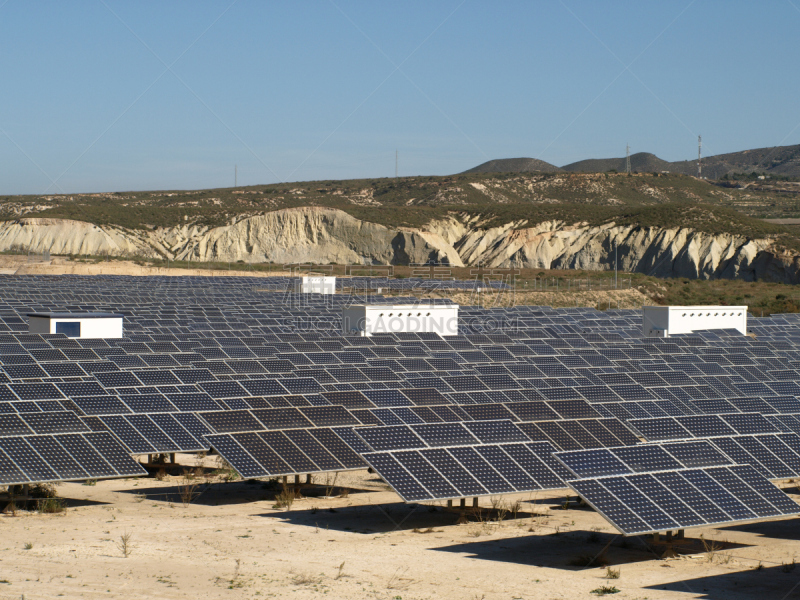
point(663, 321)
point(370, 319)
point(77, 325)
point(315, 284)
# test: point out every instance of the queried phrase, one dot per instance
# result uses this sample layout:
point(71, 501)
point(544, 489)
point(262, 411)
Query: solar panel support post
point(475, 502)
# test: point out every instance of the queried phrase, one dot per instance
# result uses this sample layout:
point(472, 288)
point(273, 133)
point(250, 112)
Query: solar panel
point(232, 420)
point(28, 460)
point(152, 433)
point(645, 457)
point(390, 438)
point(177, 433)
point(281, 418)
point(289, 452)
point(696, 454)
point(13, 425)
point(314, 450)
point(402, 482)
point(241, 460)
point(507, 467)
point(89, 459)
point(128, 435)
point(114, 454)
point(481, 470)
point(54, 422)
point(444, 434)
point(341, 451)
point(458, 477)
point(428, 476)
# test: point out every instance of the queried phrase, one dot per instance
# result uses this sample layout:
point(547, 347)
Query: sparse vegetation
point(573, 197)
point(306, 579)
point(398, 580)
point(125, 544)
point(188, 490)
point(225, 471)
point(285, 498)
point(612, 573)
point(605, 590)
point(51, 505)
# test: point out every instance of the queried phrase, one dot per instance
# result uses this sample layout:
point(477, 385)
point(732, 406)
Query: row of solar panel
point(676, 401)
point(644, 410)
point(155, 433)
point(774, 456)
point(32, 364)
point(613, 398)
point(64, 457)
point(537, 357)
point(463, 471)
point(686, 427)
point(151, 401)
point(291, 452)
point(679, 499)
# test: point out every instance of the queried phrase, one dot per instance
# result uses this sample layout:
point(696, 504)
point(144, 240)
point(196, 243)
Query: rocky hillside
point(666, 225)
point(408, 201)
point(324, 235)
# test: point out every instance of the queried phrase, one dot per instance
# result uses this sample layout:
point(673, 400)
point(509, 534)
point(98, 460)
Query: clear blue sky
point(105, 95)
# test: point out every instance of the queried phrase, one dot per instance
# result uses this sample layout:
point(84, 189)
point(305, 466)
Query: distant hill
point(643, 162)
point(515, 165)
point(779, 160)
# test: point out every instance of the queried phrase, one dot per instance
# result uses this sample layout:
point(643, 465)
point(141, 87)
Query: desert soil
point(232, 542)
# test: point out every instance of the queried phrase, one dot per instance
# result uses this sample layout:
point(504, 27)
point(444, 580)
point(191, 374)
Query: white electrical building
point(315, 284)
point(77, 325)
point(663, 321)
point(370, 319)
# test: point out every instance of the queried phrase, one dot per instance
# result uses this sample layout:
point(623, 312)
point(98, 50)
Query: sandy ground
point(231, 542)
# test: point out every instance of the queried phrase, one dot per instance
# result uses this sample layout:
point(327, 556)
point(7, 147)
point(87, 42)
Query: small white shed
point(77, 325)
point(368, 319)
point(315, 284)
point(663, 321)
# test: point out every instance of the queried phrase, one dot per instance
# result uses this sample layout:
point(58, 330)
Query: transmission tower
point(627, 158)
point(699, 155)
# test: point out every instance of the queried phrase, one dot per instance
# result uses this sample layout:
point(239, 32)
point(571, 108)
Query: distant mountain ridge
point(641, 161)
point(779, 160)
point(515, 165)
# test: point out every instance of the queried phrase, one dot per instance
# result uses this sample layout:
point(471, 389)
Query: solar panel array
point(679, 499)
point(265, 378)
